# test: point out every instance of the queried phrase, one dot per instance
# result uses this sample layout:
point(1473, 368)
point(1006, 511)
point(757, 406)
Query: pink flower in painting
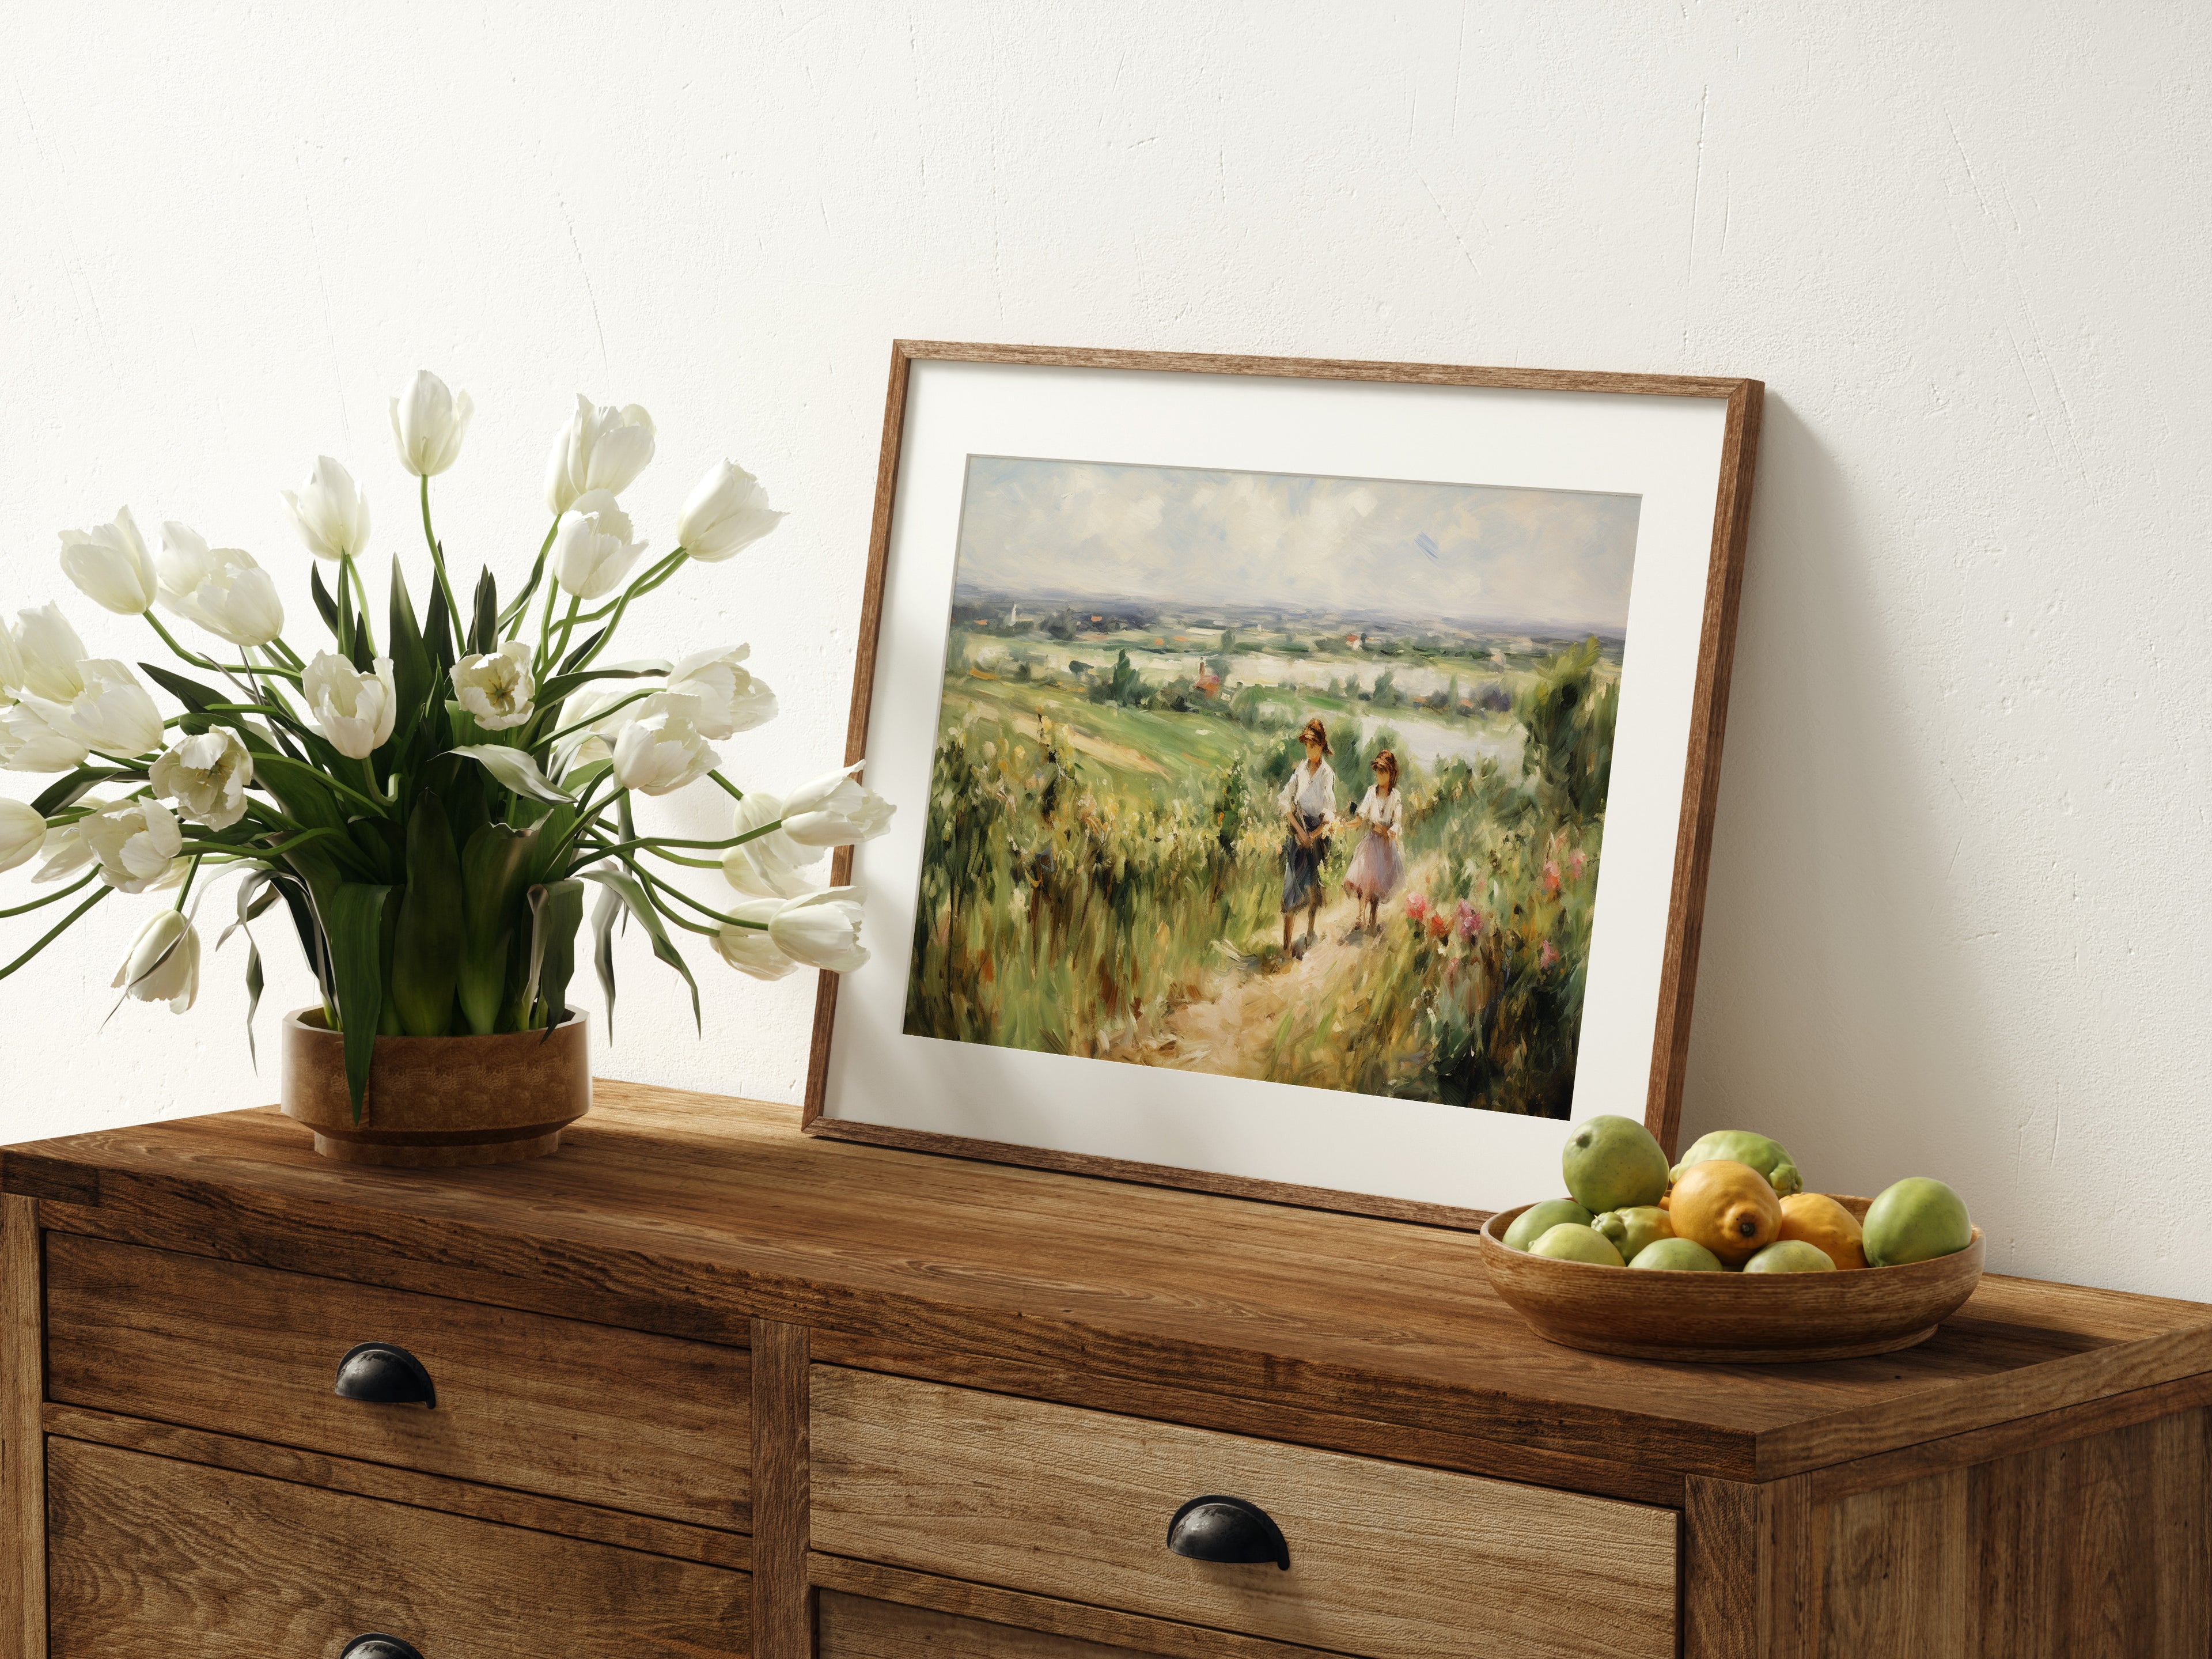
point(1550, 875)
point(1470, 919)
point(1546, 956)
point(1440, 924)
point(1417, 905)
point(1578, 863)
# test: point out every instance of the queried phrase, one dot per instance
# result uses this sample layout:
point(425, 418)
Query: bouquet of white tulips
point(427, 806)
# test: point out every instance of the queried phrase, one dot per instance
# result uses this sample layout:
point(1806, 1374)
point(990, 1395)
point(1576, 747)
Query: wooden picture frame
point(1741, 402)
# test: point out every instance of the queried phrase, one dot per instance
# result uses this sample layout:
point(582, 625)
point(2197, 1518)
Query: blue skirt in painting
point(1301, 865)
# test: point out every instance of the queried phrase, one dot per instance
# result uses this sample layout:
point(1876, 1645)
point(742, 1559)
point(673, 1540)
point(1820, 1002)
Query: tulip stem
point(184, 889)
point(520, 602)
point(568, 630)
point(55, 932)
point(170, 639)
point(727, 787)
point(658, 886)
point(92, 874)
point(620, 847)
point(349, 571)
point(653, 578)
point(444, 584)
point(593, 717)
point(679, 858)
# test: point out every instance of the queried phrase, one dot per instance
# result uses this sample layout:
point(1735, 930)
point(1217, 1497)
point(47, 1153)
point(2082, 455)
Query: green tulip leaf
point(515, 768)
point(353, 921)
point(413, 672)
point(561, 686)
point(639, 902)
point(67, 790)
point(483, 632)
point(427, 950)
point(604, 914)
point(323, 602)
point(495, 866)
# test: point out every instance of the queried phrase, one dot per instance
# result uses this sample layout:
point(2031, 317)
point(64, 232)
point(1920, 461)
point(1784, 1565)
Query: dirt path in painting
point(1231, 1032)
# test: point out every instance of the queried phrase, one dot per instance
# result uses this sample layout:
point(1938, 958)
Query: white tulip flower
point(164, 963)
point(727, 512)
point(730, 699)
point(428, 424)
point(588, 743)
point(329, 512)
point(136, 842)
point(220, 588)
point(600, 448)
point(591, 546)
point(497, 688)
point(766, 867)
point(661, 751)
point(749, 949)
point(354, 710)
point(835, 812)
point(50, 651)
point(110, 565)
point(113, 713)
point(22, 834)
point(206, 775)
point(11, 664)
point(822, 930)
point(66, 850)
point(34, 736)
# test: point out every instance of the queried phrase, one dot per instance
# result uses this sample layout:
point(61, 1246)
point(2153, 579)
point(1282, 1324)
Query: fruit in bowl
point(1533, 1223)
point(1916, 1220)
point(1726, 1207)
point(1725, 1267)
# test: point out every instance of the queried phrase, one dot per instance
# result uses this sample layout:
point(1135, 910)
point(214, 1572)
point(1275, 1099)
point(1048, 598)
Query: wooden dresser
point(700, 1386)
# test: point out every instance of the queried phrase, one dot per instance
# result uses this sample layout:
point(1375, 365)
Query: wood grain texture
point(1724, 1542)
point(1267, 1420)
point(1386, 1560)
point(616, 1418)
point(154, 1558)
point(1701, 771)
point(2098, 1545)
point(428, 1491)
point(22, 1437)
point(690, 1216)
point(854, 1627)
point(987, 1604)
point(783, 1620)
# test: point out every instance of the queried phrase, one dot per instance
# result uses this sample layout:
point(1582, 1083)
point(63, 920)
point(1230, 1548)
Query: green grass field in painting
point(1103, 861)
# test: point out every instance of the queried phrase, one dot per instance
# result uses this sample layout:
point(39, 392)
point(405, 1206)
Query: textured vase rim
point(312, 1019)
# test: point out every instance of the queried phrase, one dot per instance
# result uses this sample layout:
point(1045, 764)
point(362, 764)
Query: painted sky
point(1456, 553)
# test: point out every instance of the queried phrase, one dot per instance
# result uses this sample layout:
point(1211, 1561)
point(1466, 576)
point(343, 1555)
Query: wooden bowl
point(1732, 1319)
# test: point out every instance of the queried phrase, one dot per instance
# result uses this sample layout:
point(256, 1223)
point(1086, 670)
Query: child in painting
point(1377, 867)
point(1308, 804)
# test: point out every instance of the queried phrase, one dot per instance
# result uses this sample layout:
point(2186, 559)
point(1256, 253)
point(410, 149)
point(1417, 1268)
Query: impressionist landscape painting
point(1289, 778)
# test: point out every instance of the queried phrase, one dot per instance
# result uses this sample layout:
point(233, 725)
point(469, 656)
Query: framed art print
point(1305, 770)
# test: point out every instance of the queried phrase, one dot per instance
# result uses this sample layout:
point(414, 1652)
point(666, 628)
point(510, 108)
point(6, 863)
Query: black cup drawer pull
point(388, 1374)
point(377, 1646)
point(1219, 1529)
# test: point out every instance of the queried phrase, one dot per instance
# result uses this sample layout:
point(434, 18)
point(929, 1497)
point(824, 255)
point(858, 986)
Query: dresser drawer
point(860, 1627)
point(150, 1559)
point(1386, 1560)
point(616, 1418)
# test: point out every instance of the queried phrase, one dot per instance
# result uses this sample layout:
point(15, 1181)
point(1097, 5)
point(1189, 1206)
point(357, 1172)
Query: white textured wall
point(1959, 908)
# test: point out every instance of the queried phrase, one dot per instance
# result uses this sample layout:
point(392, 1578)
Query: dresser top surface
point(676, 1201)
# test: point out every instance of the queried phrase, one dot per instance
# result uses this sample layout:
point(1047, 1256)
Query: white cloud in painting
point(1456, 553)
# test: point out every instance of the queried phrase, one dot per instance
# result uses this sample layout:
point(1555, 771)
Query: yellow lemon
point(1826, 1224)
point(1728, 1207)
